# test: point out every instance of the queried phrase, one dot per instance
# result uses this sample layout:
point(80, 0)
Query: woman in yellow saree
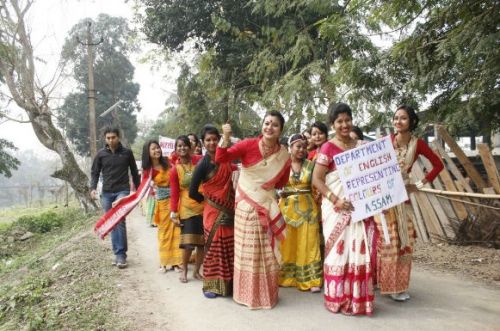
point(168, 233)
point(301, 266)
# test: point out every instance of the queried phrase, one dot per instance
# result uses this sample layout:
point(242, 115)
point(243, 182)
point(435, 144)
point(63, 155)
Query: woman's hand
point(344, 204)
point(227, 131)
point(411, 188)
point(118, 201)
point(175, 218)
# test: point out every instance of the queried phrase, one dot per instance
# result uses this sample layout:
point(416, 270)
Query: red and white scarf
point(118, 213)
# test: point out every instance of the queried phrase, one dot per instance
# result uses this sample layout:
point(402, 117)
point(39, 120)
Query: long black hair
point(146, 159)
point(411, 114)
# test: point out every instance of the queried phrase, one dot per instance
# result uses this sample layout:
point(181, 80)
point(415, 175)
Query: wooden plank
point(489, 165)
point(419, 219)
point(443, 219)
point(447, 206)
point(464, 160)
point(430, 219)
point(489, 190)
point(460, 210)
point(472, 209)
point(454, 170)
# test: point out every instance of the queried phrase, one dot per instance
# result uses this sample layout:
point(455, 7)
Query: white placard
point(167, 145)
point(371, 178)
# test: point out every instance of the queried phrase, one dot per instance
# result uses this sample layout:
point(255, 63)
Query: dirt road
point(157, 301)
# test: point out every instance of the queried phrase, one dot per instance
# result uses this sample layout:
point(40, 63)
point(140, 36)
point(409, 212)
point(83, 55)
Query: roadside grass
point(10, 214)
point(59, 278)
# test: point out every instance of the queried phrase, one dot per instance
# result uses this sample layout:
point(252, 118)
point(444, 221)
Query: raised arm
point(225, 153)
point(235, 152)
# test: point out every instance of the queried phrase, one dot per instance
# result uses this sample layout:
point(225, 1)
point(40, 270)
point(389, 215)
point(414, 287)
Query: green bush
point(41, 223)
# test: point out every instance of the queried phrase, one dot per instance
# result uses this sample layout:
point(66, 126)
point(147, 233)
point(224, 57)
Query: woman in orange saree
point(168, 233)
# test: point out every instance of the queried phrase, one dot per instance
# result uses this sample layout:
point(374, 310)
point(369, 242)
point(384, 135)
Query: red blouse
point(312, 154)
point(428, 153)
point(327, 152)
point(249, 153)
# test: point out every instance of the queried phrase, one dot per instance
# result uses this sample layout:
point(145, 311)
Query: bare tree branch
point(13, 119)
point(17, 68)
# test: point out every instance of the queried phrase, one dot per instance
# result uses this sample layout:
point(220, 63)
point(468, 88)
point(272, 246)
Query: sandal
point(315, 289)
point(210, 295)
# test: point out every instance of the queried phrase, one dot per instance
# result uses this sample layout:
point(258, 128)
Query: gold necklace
point(188, 171)
point(400, 145)
point(346, 146)
point(269, 152)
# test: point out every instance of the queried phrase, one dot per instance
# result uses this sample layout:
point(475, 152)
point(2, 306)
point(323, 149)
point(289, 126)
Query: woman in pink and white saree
point(258, 223)
point(348, 283)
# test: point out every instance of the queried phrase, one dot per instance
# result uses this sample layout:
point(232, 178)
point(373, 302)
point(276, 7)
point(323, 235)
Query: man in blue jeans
point(114, 162)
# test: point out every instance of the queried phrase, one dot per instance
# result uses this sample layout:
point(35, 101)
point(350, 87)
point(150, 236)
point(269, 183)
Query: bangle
point(174, 215)
point(329, 195)
point(419, 184)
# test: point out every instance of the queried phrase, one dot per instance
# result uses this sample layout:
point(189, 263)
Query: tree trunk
point(17, 68)
point(52, 138)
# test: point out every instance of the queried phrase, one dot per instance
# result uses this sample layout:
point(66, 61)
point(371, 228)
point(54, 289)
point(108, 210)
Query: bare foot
point(197, 275)
point(183, 278)
point(177, 268)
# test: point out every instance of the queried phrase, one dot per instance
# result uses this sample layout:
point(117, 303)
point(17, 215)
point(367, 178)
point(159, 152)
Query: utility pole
point(90, 56)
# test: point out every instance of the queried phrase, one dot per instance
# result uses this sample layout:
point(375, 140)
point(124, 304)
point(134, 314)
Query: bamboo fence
point(452, 196)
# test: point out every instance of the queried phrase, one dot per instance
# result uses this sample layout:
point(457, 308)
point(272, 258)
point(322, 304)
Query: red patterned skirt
point(394, 263)
point(256, 270)
point(347, 268)
point(218, 264)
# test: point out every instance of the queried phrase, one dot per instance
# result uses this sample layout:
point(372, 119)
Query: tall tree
point(173, 23)
point(113, 81)
point(293, 56)
point(17, 66)
point(450, 48)
point(200, 101)
point(7, 161)
point(298, 56)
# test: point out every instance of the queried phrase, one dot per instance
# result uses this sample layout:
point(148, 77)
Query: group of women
point(286, 222)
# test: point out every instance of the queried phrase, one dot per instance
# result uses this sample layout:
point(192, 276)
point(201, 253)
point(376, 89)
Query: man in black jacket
point(114, 162)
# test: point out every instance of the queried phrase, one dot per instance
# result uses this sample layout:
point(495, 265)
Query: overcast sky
point(50, 21)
